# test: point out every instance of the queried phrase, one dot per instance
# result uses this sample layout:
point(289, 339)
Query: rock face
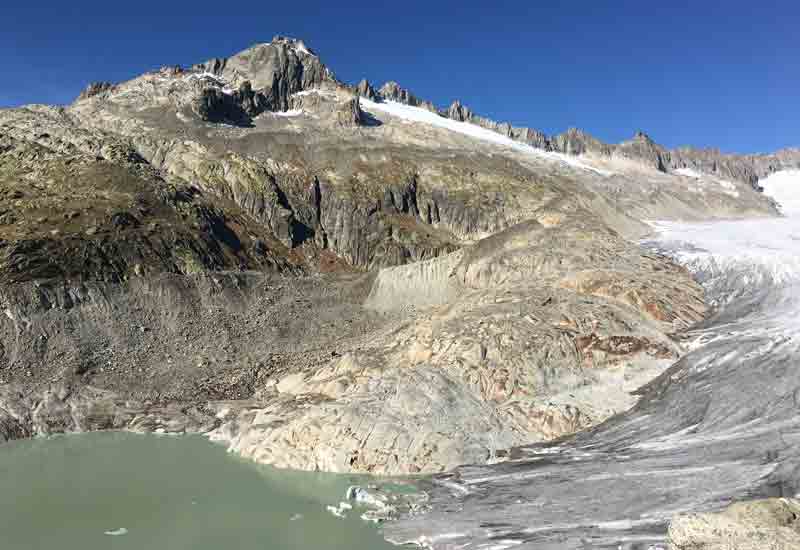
point(365, 89)
point(772, 524)
point(276, 70)
point(95, 88)
point(391, 91)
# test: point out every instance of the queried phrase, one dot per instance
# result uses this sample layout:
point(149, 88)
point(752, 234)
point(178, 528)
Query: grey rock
point(365, 89)
point(95, 89)
point(276, 70)
point(459, 112)
point(577, 142)
point(392, 91)
point(770, 524)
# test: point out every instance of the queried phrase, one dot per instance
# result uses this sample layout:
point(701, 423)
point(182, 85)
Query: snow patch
point(301, 48)
point(289, 113)
point(688, 172)
point(315, 91)
point(418, 114)
point(784, 187)
point(206, 75)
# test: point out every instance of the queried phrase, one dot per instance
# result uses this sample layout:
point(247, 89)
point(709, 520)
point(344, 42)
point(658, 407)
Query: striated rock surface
point(515, 352)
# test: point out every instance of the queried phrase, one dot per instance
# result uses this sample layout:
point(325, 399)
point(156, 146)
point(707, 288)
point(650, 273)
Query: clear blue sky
point(702, 72)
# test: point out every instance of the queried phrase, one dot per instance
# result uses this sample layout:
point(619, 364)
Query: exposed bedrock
point(488, 361)
point(398, 217)
point(277, 70)
point(770, 524)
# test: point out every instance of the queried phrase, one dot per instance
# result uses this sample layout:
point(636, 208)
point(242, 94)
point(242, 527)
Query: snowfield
point(423, 116)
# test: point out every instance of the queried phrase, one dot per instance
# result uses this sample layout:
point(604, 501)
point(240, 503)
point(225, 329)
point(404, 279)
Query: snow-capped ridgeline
point(418, 114)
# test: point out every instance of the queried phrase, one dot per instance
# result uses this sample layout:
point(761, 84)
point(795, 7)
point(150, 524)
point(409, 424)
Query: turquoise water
point(119, 491)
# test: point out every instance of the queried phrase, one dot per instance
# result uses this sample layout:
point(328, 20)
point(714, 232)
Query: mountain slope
point(328, 276)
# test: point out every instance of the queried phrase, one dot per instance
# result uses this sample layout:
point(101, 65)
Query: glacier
point(721, 425)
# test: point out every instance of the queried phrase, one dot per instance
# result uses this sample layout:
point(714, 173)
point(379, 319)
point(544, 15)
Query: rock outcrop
point(95, 88)
point(392, 91)
point(275, 70)
point(772, 524)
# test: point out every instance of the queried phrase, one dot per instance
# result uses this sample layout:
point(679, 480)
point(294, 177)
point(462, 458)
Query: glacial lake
point(122, 491)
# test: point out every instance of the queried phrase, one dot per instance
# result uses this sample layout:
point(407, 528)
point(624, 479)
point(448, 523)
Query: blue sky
point(703, 72)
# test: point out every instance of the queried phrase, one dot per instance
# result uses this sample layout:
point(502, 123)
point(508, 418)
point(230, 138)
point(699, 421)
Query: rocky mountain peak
point(459, 112)
point(94, 89)
point(275, 70)
point(578, 142)
point(393, 91)
point(293, 43)
point(644, 139)
point(365, 89)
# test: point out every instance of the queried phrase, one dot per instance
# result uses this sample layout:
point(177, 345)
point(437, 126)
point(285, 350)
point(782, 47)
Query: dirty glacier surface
point(722, 424)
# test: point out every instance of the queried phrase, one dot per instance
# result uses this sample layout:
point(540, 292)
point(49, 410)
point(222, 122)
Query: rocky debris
point(771, 524)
